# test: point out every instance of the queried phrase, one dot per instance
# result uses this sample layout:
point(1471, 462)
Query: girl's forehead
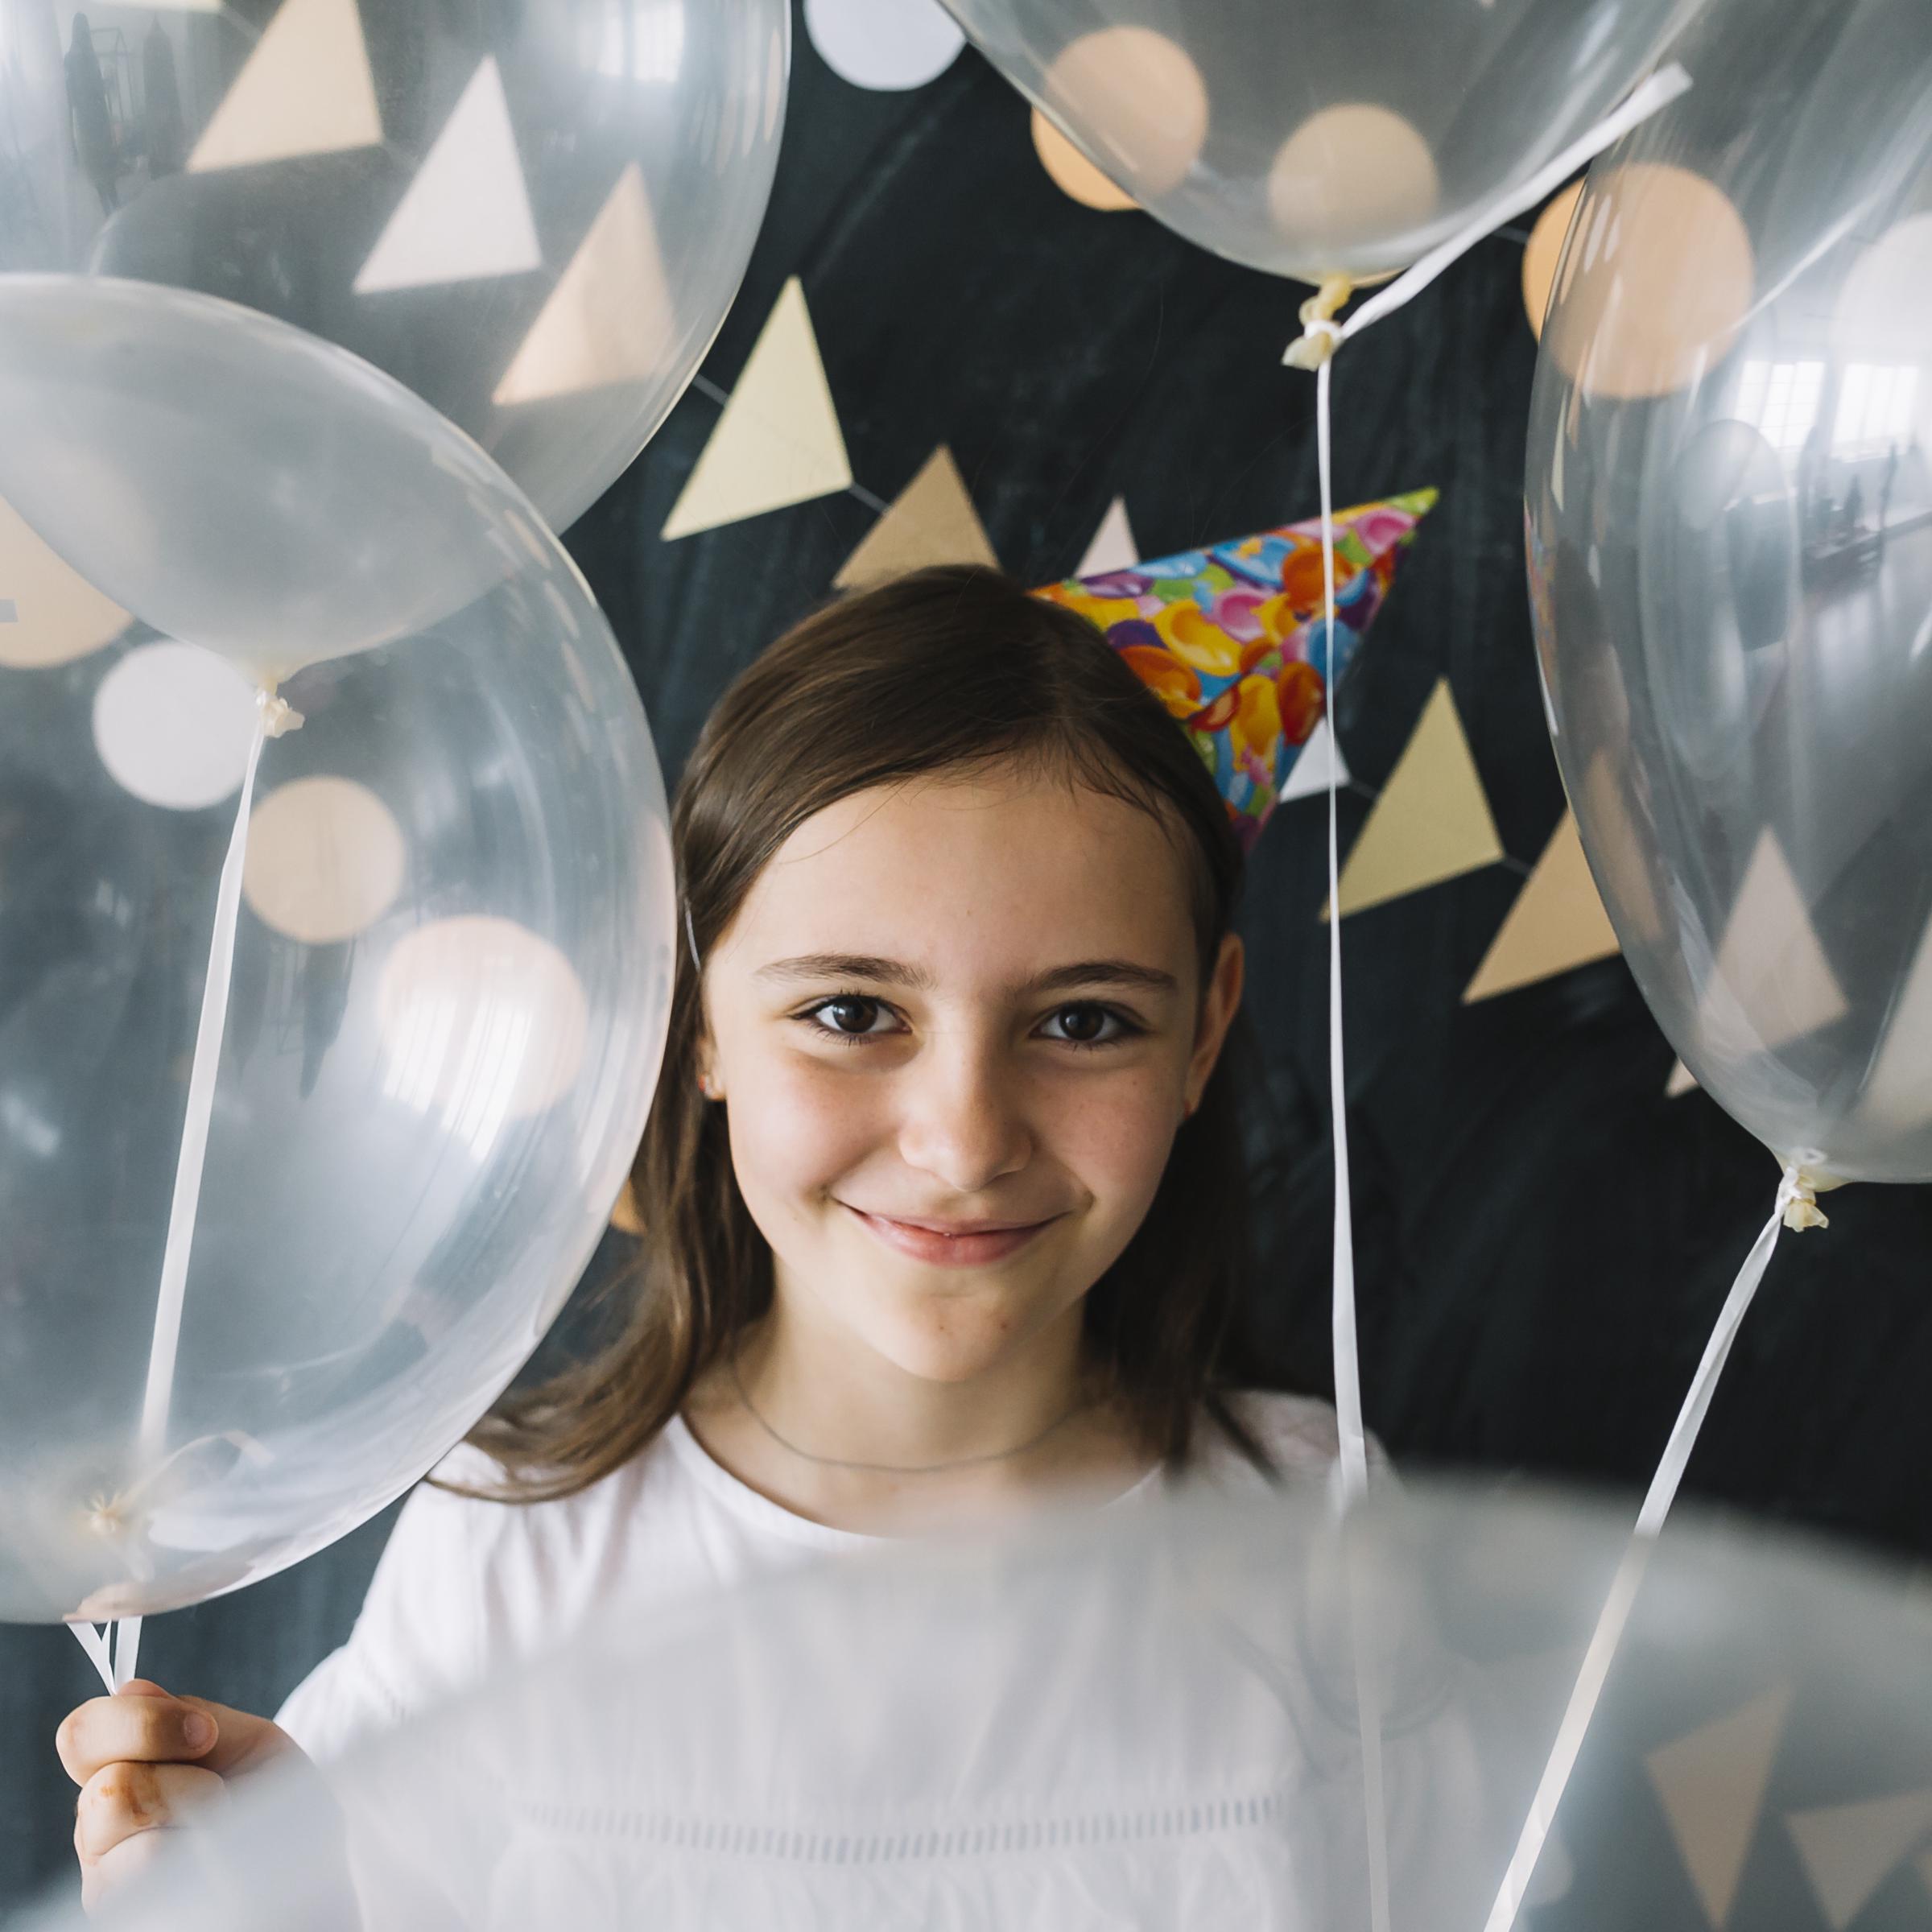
point(1009, 861)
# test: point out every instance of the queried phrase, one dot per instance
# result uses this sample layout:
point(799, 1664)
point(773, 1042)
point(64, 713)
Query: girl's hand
point(147, 1762)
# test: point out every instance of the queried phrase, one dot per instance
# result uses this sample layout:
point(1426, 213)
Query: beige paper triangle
point(466, 215)
point(1682, 1081)
point(1849, 1851)
point(1898, 1089)
point(1772, 983)
point(306, 89)
point(49, 613)
point(1432, 821)
point(1558, 922)
point(1711, 1785)
point(1113, 547)
point(1620, 848)
point(779, 440)
point(931, 521)
point(625, 1216)
point(610, 319)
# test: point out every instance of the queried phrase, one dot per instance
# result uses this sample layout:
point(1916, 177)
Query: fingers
point(121, 1801)
point(103, 1877)
point(142, 1725)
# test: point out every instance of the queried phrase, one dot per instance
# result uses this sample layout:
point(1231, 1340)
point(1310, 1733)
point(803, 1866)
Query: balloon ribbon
point(273, 718)
point(1315, 349)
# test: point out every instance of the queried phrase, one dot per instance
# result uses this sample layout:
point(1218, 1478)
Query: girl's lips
point(968, 1250)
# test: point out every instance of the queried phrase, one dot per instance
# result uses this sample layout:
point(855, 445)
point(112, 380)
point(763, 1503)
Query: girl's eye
point(850, 1015)
point(1087, 1025)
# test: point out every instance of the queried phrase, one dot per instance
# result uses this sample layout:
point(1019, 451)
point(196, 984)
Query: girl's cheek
point(1116, 1133)
point(804, 1121)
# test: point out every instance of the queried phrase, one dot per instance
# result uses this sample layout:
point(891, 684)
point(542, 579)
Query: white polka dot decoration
point(886, 45)
point(173, 723)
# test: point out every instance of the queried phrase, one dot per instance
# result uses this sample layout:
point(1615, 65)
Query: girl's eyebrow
point(894, 972)
point(847, 966)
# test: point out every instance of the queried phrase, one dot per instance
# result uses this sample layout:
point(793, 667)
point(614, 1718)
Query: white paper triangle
point(1113, 547)
point(1849, 1851)
point(1711, 1785)
point(610, 319)
point(779, 440)
point(1682, 1081)
point(1309, 773)
point(1772, 983)
point(466, 215)
point(306, 89)
point(49, 613)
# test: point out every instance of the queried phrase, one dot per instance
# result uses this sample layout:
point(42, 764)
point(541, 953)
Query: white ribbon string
point(1324, 336)
point(1353, 1440)
point(273, 718)
point(1609, 1634)
point(1315, 349)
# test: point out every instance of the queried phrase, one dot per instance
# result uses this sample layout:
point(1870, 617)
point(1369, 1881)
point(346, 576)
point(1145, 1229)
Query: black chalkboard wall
point(1544, 1239)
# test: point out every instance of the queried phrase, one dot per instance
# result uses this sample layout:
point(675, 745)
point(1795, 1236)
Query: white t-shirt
point(465, 1585)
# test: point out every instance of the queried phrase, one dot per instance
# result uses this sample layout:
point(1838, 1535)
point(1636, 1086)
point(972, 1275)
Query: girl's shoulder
point(1298, 1434)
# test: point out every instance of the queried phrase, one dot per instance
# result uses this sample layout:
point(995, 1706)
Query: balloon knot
point(1798, 1197)
point(1321, 334)
point(278, 717)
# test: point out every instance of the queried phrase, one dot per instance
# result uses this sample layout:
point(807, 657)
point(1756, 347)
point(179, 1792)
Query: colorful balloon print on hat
point(1233, 640)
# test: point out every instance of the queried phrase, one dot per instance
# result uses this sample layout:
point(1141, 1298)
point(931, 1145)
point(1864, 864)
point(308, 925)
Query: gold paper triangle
point(49, 613)
point(1849, 1851)
point(1557, 922)
point(931, 521)
point(1711, 1785)
point(1898, 1089)
point(1432, 821)
point(610, 318)
point(779, 441)
point(306, 89)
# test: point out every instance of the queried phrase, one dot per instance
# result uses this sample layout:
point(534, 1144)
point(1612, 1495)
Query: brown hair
point(944, 669)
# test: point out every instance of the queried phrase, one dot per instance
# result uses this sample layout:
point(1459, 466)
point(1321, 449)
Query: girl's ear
point(1220, 1001)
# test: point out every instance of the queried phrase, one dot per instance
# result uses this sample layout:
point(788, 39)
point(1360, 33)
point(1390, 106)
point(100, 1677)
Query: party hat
point(1233, 640)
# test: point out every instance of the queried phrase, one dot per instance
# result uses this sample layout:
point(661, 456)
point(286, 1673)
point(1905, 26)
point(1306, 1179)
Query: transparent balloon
point(535, 217)
point(1730, 527)
point(451, 907)
point(1145, 1717)
point(1321, 140)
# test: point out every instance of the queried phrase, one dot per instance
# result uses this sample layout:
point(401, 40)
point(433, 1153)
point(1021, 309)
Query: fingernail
point(198, 1731)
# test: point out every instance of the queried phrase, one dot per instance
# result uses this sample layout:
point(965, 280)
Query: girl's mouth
point(969, 1245)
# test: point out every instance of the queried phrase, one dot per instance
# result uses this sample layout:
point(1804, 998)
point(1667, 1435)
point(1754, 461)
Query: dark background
point(1543, 1238)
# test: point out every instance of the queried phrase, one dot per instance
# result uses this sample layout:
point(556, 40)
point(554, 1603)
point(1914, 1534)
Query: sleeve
point(424, 1626)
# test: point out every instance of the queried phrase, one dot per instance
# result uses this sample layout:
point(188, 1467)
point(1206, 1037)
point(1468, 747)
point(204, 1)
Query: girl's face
point(956, 1024)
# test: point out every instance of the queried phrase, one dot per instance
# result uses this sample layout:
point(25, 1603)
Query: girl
point(942, 1187)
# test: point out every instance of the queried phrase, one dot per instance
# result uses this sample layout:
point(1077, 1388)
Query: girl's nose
point(962, 1118)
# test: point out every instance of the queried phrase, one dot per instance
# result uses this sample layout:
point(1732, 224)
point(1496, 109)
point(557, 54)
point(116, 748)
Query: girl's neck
point(837, 1433)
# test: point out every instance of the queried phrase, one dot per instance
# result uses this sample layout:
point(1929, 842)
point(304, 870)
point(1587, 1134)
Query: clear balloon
point(450, 970)
point(534, 217)
point(1730, 525)
point(1323, 140)
point(1145, 1717)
